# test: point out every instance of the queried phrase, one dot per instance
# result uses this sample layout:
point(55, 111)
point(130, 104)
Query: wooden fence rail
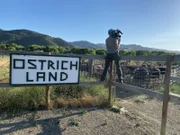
point(7, 85)
point(101, 57)
point(159, 96)
point(175, 78)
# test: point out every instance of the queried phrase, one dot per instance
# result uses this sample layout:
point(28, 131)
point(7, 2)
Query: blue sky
point(150, 23)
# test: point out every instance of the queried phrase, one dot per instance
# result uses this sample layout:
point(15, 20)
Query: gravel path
point(143, 118)
point(150, 111)
point(54, 122)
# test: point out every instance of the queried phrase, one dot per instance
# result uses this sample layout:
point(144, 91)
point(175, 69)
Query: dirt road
point(143, 118)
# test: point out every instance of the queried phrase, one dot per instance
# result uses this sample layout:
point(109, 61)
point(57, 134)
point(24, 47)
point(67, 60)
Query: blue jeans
point(108, 59)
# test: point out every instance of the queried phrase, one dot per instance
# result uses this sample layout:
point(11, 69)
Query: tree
point(3, 47)
point(142, 53)
point(75, 50)
point(84, 51)
point(131, 53)
point(35, 47)
point(20, 48)
point(67, 50)
point(92, 51)
point(101, 52)
point(52, 48)
point(61, 49)
point(122, 53)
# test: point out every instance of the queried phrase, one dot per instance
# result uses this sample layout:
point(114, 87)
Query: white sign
point(27, 69)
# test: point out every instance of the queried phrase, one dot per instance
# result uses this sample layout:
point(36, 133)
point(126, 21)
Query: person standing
point(112, 48)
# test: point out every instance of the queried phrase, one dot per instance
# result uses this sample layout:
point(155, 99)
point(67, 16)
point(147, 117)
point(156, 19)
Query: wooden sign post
point(47, 88)
point(48, 94)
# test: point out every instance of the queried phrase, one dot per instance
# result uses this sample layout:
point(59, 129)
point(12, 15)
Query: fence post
point(110, 83)
point(47, 89)
point(90, 67)
point(166, 95)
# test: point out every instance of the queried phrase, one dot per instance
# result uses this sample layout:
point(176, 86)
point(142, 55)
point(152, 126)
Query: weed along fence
point(142, 74)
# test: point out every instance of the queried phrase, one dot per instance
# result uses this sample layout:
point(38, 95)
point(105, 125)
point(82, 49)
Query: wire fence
point(145, 74)
point(91, 68)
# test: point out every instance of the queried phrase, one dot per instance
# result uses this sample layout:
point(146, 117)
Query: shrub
point(175, 88)
point(12, 99)
point(20, 98)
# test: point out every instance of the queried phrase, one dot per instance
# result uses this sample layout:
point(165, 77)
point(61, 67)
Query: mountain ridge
point(28, 37)
point(128, 47)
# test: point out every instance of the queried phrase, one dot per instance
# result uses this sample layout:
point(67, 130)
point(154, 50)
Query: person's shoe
point(119, 81)
point(101, 81)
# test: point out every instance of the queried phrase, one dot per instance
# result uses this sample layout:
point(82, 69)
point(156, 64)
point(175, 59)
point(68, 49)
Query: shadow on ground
point(48, 126)
point(125, 94)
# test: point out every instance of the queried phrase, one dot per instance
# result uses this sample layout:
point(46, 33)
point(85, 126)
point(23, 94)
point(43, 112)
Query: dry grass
point(4, 69)
point(85, 101)
point(12, 99)
point(33, 97)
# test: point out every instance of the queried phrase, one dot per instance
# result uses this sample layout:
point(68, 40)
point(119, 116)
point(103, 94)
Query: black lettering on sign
point(50, 64)
point(40, 75)
point(73, 65)
point(63, 76)
point(33, 66)
point(57, 65)
point(62, 65)
point(53, 76)
point(27, 77)
point(15, 66)
point(42, 63)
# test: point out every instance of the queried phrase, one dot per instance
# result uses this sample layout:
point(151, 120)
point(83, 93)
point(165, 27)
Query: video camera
point(116, 33)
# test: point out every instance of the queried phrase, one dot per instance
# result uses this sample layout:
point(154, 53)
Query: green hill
point(27, 37)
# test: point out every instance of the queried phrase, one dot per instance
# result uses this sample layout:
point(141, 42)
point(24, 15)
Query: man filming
point(112, 47)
